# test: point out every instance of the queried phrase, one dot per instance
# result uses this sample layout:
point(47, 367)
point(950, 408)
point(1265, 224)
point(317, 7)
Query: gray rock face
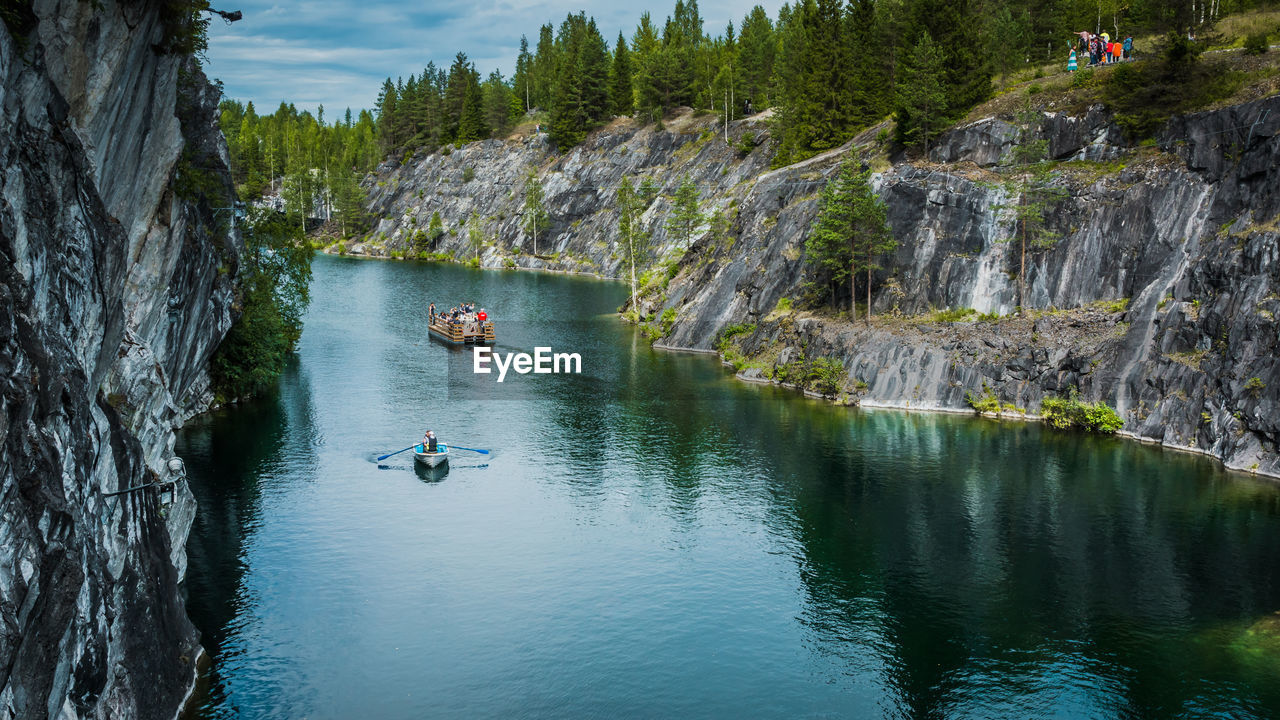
point(114, 292)
point(1187, 235)
point(579, 186)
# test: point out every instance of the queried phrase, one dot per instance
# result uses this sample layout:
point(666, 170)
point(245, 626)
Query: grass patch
point(821, 375)
point(1070, 412)
point(987, 402)
point(729, 333)
point(1191, 358)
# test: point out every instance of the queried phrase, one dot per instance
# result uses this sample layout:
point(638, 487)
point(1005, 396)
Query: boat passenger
point(431, 312)
point(429, 442)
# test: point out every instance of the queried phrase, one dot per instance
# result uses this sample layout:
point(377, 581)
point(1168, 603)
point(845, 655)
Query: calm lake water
point(656, 540)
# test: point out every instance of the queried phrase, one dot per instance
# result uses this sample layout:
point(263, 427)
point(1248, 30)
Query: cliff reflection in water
point(234, 457)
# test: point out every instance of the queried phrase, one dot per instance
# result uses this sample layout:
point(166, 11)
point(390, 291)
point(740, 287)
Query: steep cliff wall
point(114, 292)
point(1185, 232)
point(579, 186)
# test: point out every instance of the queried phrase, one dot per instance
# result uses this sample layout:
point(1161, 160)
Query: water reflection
point(654, 539)
point(235, 458)
point(973, 567)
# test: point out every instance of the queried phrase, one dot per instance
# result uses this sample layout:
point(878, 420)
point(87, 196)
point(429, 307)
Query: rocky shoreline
point(1179, 237)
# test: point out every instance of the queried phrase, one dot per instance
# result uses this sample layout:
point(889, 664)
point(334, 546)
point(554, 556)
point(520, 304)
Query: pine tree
point(497, 104)
point(349, 201)
point(1036, 194)
point(465, 103)
point(580, 97)
point(545, 65)
point(646, 49)
point(621, 98)
point(387, 117)
point(954, 27)
point(757, 47)
point(814, 81)
point(851, 231)
point(595, 63)
point(922, 104)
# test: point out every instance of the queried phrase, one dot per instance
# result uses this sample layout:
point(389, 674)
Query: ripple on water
point(661, 541)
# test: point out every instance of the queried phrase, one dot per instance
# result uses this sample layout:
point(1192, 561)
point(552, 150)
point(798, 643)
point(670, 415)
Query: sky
point(336, 53)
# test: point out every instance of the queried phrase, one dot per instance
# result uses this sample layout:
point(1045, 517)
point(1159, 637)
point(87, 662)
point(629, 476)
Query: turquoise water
point(654, 539)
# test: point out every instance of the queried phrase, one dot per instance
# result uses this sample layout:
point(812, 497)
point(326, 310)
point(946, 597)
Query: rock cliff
point(115, 288)
point(1178, 241)
point(1159, 295)
point(487, 179)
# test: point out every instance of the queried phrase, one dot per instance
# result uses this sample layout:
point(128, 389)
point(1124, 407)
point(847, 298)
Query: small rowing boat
point(431, 459)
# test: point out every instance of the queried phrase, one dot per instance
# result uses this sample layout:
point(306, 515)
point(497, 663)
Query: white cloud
point(337, 52)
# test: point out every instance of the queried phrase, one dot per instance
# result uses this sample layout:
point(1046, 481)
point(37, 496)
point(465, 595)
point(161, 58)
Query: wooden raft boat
point(466, 332)
point(431, 459)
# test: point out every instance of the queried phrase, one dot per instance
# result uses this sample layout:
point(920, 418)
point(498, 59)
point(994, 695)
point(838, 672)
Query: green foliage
point(851, 232)
point(818, 108)
point(647, 192)
point(821, 375)
point(468, 174)
point(272, 292)
point(634, 237)
point(1036, 196)
point(475, 236)
point(684, 211)
point(825, 375)
point(536, 217)
point(668, 321)
point(1256, 43)
point(1070, 412)
point(729, 333)
point(186, 27)
point(921, 98)
point(987, 402)
point(828, 68)
point(747, 143)
point(621, 95)
point(316, 166)
point(951, 315)
point(197, 184)
point(1144, 95)
point(1117, 306)
point(1254, 386)
point(580, 89)
point(1083, 78)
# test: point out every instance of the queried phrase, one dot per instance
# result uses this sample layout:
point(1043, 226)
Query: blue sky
point(337, 52)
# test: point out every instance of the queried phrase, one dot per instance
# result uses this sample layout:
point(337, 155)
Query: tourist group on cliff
point(1099, 49)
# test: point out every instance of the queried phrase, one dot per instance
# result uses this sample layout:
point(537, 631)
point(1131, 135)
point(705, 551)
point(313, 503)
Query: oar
point(384, 457)
point(459, 447)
